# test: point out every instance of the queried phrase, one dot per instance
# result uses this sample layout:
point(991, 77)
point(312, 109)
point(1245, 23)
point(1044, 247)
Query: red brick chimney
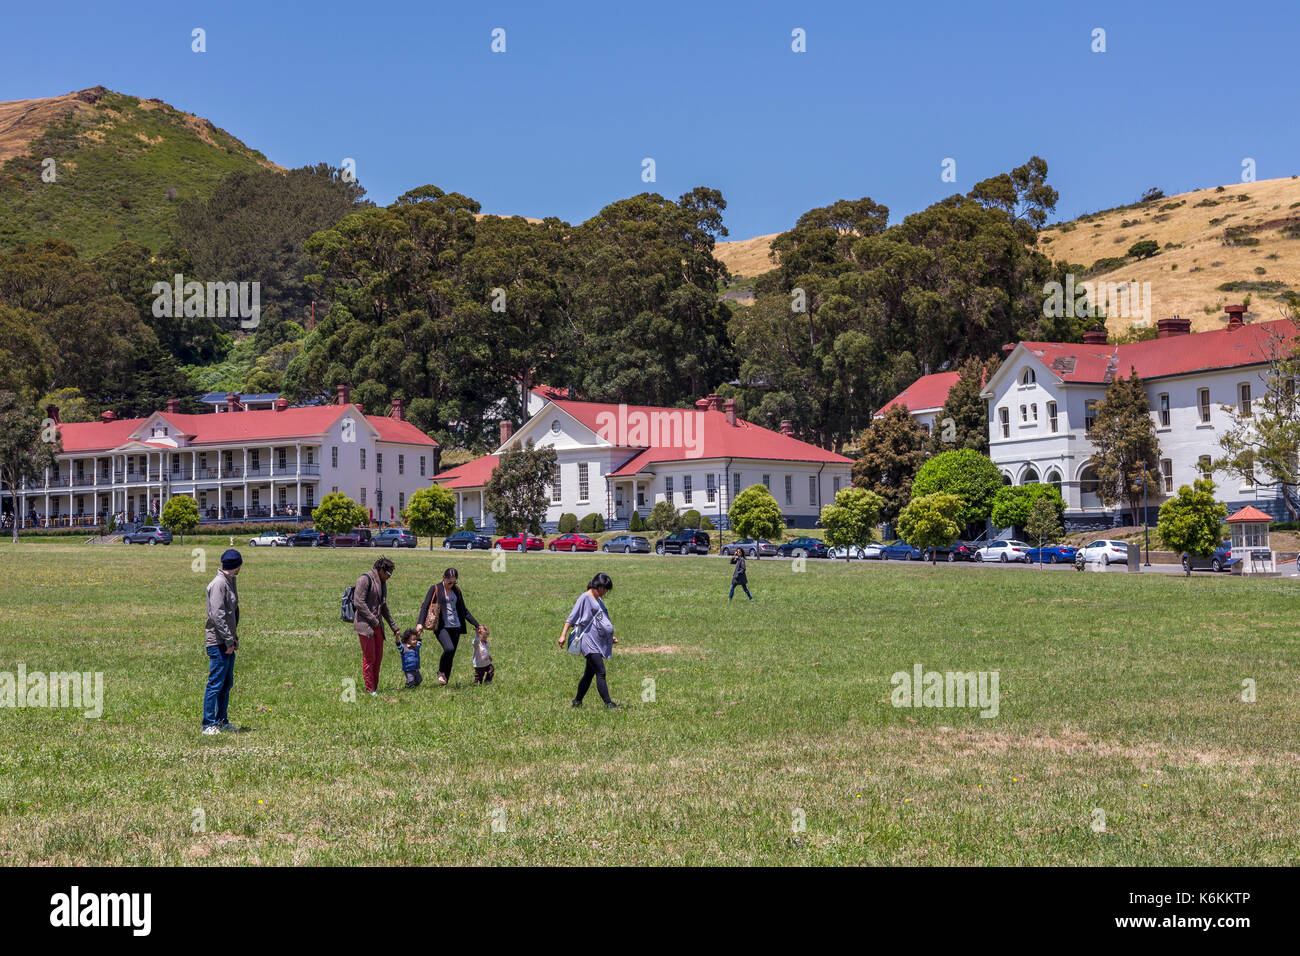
point(704, 404)
point(107, 417)
point(787, 428)
point(232, 402)
point(280, 404)
point(730, 406)
point(1095, 337)
point(1168, 328)
point(507, 429)
point(398, 410)
point(344, 394)
point(1236, 315)
point(715, 401)
point(52, 411)
point(173, 406)
point(1009, 347)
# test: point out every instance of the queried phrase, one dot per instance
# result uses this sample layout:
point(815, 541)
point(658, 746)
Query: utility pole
point(1146, 532)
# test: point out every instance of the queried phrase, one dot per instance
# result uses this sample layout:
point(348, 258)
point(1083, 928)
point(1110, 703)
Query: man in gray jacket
point(222, 641)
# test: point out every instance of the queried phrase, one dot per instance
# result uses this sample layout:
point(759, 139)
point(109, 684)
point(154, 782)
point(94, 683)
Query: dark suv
point(148, 534)
point(310, 538)
point(356, 538)
point(683, 542)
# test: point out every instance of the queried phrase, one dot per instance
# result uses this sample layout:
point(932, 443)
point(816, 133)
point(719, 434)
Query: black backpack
point(347, 611)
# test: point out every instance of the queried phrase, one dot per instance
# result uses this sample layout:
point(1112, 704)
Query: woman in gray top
point(593, 637)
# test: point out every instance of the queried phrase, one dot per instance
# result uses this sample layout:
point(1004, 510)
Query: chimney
point(398, 410)
point(731, 411)
point(361, 408)
point(1236, 315)
point(704, 404)
point(787, 428)
point(52, 411)
point(715, 401)
point(280, 404)
point(107, 417)
point(232, 402)
point(1009, 348)
point(1168, 328)
point(1095, 337)
point(173, 406)
point(344, 394)
point(507, 429)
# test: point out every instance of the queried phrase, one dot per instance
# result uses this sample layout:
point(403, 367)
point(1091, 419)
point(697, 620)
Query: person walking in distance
point(221, 641)
point(370, 602)
point(738, 576)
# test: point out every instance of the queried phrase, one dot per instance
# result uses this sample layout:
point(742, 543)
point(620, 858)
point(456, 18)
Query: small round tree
point(568, 523)
point(851, 519)
point(180, 515)
point(930, 522)
point(432, 511)
point(963, 472)
point(338, 514)
point(663, 517)
point(755, 514)
point(1144, 249)
point(690, 518)
point(1013, 504)
point(1190, 523)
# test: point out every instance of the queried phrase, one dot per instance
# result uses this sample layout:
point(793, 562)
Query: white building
point(237, 465)
point(924, 399)
point(1041, 402)
point(614, 459)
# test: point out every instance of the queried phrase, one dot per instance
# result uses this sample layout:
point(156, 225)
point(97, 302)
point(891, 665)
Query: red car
point(573, 542)
point(516, 543)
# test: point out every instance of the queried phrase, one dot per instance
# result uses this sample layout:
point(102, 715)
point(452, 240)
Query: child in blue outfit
point(409, 645)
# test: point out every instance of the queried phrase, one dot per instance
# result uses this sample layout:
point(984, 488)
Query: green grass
point(1118, 692)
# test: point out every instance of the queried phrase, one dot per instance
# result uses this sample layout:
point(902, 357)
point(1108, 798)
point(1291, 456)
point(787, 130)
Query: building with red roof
point(615, 459)
point(924, 398)
point(237, 465)
point(1042, 403)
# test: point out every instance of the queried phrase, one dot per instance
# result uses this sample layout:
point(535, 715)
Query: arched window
point(1030, 477)
point(1006, 479)
point(1088, 482)
point(1027, 377)
point(1054, 479)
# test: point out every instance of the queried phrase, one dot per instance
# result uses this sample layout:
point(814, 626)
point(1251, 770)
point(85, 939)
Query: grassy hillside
point(121, 163)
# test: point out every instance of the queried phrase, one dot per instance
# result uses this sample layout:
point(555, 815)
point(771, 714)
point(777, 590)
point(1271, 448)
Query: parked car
point(356, 538)
point(750, 547)
point(394, 538)
point(1105, 552)
point(627, 544)
point(148, 534)
point(1003, 551)
point(268, 539)
point(311, 538)
point(467, 540)
point(873, 551)
point(957, 551)
point(848, 553)
point(1052, 554)
point(572, 542)
point(804, 548)
point(683, 542)
point(1221, 560)
point(515, 542)
point(900, 550)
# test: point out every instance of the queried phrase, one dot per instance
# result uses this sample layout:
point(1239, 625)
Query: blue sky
point(560, 122)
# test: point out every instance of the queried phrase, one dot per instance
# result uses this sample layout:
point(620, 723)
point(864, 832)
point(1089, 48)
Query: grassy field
point(1118, 693)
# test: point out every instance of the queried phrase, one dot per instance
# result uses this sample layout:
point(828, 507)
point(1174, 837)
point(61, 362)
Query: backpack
point(347, 611)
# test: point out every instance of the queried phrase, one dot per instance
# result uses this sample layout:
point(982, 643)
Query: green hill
point(120, 165)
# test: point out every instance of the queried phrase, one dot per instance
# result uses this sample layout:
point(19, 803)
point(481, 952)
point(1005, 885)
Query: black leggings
point(596, 669)
point(448, 642)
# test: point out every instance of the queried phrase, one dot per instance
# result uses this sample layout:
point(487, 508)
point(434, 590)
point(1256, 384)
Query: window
point(379, 462)
point(282, 459)
point(767, 482)
point(1027, 377)
point(1005, 419)
point(710, 486)
point(1204, 466)
point(311, 456)
point(310, 492)
point(555, 486)
point(1203, 399)
point(1052, 422)
point(812, 490)
point(401, 501)
point(735, 483)
point(1167, 474)
point(401, 464)
point(668, 490)
point(582, 481)
point(835, 484)
point(1033, 411)
point(686, 489)
point(1024, 414)
point(1243, 399)
point(334, 456)
point(1054, 479)
point(1088, 482)
point(421, 466)
point(1249, 480)
point(363, 458)
point(284, 496)
point(1089, 414)
point(1030, 476)
point(363, 494)
point(1162, 401)
point(254, 459)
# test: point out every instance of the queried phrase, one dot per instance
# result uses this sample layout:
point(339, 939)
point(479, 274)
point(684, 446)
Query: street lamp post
point(1146, 532)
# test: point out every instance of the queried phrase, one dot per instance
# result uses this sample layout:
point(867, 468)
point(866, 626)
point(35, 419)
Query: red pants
point(372, 654)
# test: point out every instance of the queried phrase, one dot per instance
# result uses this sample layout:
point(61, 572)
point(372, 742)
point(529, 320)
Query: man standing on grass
point(222, 641)
point(370, 604)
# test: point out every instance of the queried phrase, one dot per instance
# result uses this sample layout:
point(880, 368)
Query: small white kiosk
point(1249, 538)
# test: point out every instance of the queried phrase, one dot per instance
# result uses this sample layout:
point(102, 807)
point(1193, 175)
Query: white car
point(269, 539)
point(849, 553)
point(1105, 552)
point(873, 550)
point(1004, 551)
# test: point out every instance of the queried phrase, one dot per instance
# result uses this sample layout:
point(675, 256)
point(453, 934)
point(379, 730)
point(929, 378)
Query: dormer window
point(1027, 377)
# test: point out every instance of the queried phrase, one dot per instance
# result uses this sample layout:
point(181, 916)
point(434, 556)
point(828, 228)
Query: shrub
point(1144, 249)
point(636, 524)
point(691, 519)
point(591, 524)
point(706, 524)
point(469, 525)
point(966, 473)
point(755, 514)
point(568, 523)
point(180, 515)
point(663, 517)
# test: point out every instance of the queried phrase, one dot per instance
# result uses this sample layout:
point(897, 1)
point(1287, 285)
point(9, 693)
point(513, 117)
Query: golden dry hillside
point(746, 257)
point(1247, 235)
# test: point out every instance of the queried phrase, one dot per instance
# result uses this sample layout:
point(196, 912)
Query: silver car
point(626, 544)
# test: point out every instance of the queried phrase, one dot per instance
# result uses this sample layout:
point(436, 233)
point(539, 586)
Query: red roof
point(550, 392)
point(472, 474)
point(235, 427)
point(1174, 355)
point(1249, 513)
point(927, 393)
point(715, 438)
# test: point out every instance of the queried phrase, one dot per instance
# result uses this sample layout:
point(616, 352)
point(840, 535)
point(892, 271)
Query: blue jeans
point(732, 593)
point(221, 675)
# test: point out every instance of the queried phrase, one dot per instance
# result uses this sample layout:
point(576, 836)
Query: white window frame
point(584, 488)
point(686, 489)
point(1203, 402)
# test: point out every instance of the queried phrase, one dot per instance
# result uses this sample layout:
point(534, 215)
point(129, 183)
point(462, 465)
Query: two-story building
point(1042, 401)
point(614, 459)
point(237, 465)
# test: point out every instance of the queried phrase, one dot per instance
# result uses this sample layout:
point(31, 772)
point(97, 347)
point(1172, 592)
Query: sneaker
point(576, 703)
point(227, 727)
point(613, 706)
point(210, 730)
point(374, 693)
point(442, 678)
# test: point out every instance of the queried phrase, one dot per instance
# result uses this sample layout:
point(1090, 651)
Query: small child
point(483, 667)
point(409, 645)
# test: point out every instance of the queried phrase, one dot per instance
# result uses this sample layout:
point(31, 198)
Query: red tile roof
point(1249, 513)
point(549, 392)
point(235, 427)
point(472, 474)
point(1175, 355)
point(927, 393)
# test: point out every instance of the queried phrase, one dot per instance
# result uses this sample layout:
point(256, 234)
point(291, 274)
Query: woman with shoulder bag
point(444, 614)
